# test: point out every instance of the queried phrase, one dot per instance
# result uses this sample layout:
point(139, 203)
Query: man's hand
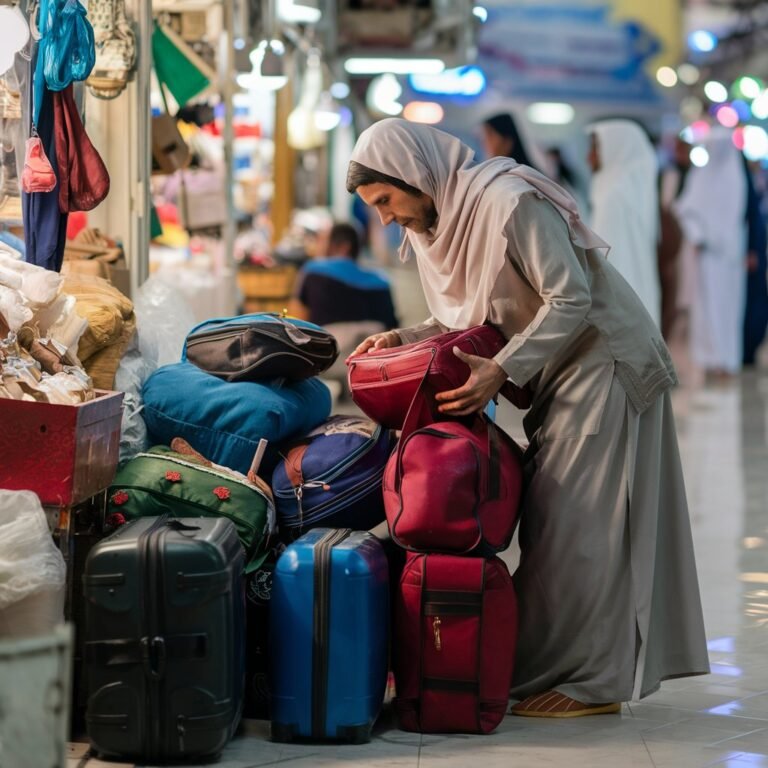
point(485, 380)
point(379, 341)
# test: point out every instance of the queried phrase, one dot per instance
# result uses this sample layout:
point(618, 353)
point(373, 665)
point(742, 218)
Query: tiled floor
point(717, 720)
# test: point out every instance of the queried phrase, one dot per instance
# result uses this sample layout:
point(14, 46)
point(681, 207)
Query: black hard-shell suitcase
point(165, 639)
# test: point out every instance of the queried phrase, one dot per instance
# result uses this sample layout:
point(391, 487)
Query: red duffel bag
point(454, 488)
point(384, 383)
point(454, 644)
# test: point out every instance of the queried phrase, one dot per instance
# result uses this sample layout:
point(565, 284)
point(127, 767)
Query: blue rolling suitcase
point(329, 635)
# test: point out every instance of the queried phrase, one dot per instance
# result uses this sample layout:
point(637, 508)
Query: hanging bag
point(84, 177)
point(38, 174)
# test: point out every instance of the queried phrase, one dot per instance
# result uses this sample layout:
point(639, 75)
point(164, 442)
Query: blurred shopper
point(677, 261)
point(625, 207)
point(609, 599)
point(756, 309)
point(713, 210)
point(501, 138)
point(350, 301)
point(566, 177)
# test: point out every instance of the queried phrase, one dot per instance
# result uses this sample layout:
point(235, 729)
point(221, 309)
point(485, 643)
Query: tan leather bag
point(169, 150)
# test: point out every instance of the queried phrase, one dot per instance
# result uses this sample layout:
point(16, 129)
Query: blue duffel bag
point(225, 420)
point(332, 477)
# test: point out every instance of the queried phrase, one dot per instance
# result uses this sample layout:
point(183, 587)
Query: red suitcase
point(455, 637)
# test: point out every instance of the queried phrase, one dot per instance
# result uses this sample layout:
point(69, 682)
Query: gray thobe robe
point(609, 598)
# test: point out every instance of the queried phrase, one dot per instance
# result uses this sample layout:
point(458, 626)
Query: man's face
point(392, 204)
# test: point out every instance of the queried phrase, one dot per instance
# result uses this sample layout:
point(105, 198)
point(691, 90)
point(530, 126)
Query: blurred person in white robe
point(625, 205)
point(712, 209)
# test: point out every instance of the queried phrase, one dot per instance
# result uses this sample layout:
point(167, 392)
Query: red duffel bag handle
point(428, 349)
point(420, 416)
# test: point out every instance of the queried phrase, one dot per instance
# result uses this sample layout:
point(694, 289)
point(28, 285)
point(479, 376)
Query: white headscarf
point(629, 170)
point(625, 206)
point(460, 260)
point(713, 203)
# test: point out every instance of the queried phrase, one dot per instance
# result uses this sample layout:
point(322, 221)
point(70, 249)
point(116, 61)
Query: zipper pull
point(436, 631)
point(181, 731)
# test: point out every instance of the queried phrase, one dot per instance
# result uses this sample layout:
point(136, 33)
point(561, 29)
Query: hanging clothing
point(756, 302)
point(712, 210)
point(45, 226)
point(607, 582)
point(625, 207)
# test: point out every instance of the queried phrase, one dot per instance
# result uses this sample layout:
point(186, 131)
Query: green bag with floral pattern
point(162, 481)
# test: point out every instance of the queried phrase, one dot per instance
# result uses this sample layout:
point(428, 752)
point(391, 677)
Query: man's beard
point(430, 216)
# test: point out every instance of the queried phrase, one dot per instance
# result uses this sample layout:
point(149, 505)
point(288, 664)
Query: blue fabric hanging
point(66, 51)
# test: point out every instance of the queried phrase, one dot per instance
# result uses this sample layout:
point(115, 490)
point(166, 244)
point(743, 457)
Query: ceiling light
point(371, 66)
point(383, 94)
point(481, 13)
point(327, 115)
point(667, 77)
point(760, 106)
point(748, 87)
point(460, 81)
point(755, 142)
point(303, 12)
point(727, 116)
point(427, 112)
point(716, 92)
point(688, 74)
point(699, 157)
point(702, 40)
point(339, 90)
point(551, 113)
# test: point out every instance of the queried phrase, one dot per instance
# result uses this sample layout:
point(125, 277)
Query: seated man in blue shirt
point(337, 290)
point(349, 301)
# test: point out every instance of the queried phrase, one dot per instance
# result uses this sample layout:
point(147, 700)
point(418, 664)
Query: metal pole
point(227, 70)
point(140, 131)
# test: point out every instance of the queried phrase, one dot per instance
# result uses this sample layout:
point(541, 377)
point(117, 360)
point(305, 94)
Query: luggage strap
point(132, 651)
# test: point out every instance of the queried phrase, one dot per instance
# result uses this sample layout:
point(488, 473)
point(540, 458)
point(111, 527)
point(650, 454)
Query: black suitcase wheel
point(283, 733)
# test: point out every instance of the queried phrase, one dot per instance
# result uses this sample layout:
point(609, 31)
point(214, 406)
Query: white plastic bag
point(133, 371)
point(163, 320)
point(32, 570)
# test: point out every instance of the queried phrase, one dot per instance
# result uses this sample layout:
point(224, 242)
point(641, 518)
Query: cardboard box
point(64, 453)
point(108, 263)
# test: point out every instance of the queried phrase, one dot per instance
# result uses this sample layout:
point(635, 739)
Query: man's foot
point(554, 704)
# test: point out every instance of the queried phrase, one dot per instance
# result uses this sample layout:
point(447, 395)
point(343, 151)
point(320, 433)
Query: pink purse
point(38, 175)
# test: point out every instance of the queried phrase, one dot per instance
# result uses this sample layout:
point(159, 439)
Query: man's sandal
point(554, 704)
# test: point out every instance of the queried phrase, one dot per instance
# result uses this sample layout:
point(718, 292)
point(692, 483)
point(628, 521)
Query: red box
point(64, 453)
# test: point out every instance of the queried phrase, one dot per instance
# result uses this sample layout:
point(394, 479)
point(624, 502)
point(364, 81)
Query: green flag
point(174, 68)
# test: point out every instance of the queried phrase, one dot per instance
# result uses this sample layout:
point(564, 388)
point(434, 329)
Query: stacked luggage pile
point(451, 495)
point(220, 594)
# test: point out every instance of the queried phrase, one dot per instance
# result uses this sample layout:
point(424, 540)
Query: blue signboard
point(567, 52)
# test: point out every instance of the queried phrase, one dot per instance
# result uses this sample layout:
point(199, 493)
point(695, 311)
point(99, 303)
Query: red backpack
point(450, 487)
